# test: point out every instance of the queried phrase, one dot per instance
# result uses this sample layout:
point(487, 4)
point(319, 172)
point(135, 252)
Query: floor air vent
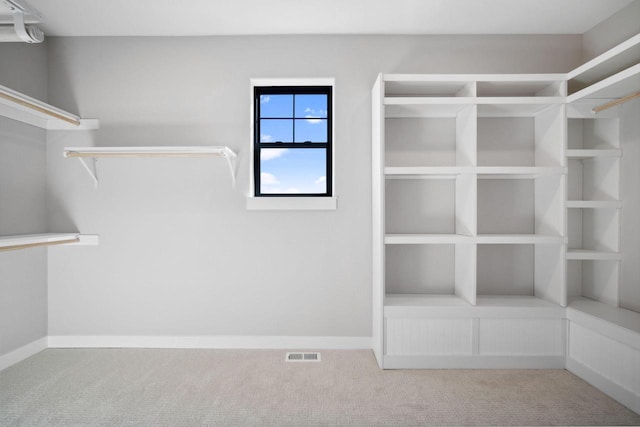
point(303, 357)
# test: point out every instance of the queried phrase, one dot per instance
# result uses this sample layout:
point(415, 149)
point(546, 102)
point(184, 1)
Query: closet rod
point(616, 102)
point(41, 109)
point(35, 245)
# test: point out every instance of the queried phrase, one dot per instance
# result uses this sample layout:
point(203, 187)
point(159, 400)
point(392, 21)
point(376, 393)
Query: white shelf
point(626, 319)
point(593, 153)
point(426, 239)
point(192, 151)
point(499, 239)
point(442, 171)
point(452, 306)
point(405, 107)
point(519, 239)
point(594, 204)
point(583, 254)
point(483, 172)
point(25, 109)
point(617, 86)
point(610, 62)
point(516, 107)
point(424, 300)
point(518, 172)
point(24, 241)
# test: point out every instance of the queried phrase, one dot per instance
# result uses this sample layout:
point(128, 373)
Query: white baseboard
point(212, 342)
point(605, 385)
point(474, 362)
point(19, 354)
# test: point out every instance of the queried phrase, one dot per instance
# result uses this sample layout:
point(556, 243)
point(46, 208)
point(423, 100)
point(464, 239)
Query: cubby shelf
point(519, 239)
point(425, 239)
point(25, 241)
point(451, 306)
point(583, 254)
point(593, 153)
point(594, 204)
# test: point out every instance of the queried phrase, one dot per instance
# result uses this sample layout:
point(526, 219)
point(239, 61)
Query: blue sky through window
point(293, 171)
point(293, 118)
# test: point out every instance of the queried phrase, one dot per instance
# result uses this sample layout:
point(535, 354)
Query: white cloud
point(313, 114)
point(292, 190)
point(272, 153)
point(265, 138)
point(264, 99)
point(268, 179)
point(321, 180)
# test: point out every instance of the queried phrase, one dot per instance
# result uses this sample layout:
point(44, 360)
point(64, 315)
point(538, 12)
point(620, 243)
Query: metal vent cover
point(302, 357)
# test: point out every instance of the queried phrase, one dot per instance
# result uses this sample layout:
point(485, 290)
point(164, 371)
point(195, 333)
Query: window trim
point(301, 201)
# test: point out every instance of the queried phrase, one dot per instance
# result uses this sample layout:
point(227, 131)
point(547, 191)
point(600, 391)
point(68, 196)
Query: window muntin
point(292, 143)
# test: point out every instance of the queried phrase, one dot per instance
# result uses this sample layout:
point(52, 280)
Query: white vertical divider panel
point(467, 136)
point(377, 200)
point(600, 281)
point(549, 209)
point(466, 207)
point(550, 273)
point(465, 271)
point(550, 129)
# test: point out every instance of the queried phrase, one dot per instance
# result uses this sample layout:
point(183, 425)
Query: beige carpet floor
point(151, 387)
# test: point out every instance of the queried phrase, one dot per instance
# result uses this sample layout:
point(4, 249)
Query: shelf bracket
point(232, 162)
point(93, 170)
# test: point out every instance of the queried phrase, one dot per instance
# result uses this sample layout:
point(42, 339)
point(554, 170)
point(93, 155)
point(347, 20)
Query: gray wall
point(179, 253)
point(612, 31)
point(23, 274)
point(600, 38)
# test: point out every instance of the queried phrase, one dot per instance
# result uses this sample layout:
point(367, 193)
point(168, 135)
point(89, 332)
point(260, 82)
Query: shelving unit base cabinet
point(497, 333)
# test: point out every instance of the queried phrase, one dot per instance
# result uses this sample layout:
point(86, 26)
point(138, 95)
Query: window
point(292, 137)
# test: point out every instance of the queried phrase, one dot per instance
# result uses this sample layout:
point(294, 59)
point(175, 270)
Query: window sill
point(292, 203)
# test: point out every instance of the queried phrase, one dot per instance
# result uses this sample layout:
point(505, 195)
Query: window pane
point(293, 170)
point(276, 130)
point(314, 130)
point(276, 105)
point(310, 106)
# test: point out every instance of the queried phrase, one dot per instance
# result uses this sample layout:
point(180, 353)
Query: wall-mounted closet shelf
point(95, 153)
point(25, 241)
point(23, 108)
point(609, 63)
point(613, 75)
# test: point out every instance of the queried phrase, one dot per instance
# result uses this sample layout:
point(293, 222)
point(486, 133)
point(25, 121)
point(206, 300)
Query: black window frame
point(258, 91)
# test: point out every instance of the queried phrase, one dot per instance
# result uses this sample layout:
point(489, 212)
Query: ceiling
point(260, 17)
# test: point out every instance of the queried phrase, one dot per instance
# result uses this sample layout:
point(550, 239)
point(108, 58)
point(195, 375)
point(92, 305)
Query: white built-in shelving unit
point(497, 213)
point(17, 106)
point(469, 189)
